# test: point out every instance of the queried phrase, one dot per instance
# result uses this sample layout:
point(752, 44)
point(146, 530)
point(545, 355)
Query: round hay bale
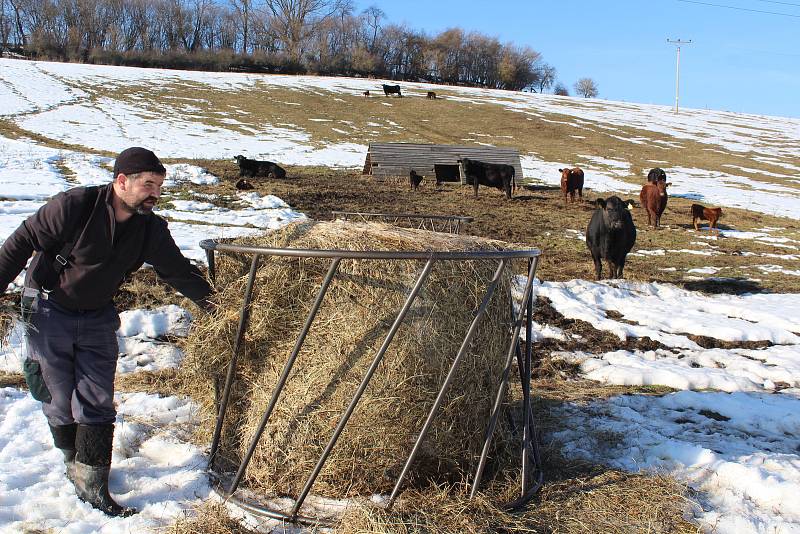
point(356, 314)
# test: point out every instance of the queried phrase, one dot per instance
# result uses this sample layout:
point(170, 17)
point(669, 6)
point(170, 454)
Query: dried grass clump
point(351, 325)
point(444, 511)
point(612, 501)
point(607, 501)
point(9, 315)
point(209, 518)
point(144, 289)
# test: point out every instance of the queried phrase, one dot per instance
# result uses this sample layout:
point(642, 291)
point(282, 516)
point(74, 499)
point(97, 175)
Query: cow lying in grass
point(244, 185)
point(250, 168)
point(701, 213)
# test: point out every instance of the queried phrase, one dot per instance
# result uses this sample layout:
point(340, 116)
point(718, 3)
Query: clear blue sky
point(738, 61)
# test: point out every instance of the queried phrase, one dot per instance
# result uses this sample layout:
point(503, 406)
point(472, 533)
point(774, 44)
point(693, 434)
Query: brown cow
point(431, 95)
point(701, 213)
point(654, 200)
point(571, 181)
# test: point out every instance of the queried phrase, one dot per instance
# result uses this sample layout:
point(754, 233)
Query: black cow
point(497, 175)
point(656, 175)
point(391, 90)
point(244, 185)
point(414, 180)
point(610, 235)
point(251, 168)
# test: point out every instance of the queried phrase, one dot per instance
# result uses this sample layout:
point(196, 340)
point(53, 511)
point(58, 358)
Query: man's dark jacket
point(100, 260)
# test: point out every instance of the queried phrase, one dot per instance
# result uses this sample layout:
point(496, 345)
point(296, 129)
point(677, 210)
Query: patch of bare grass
point(538, 217)
point(322, 117)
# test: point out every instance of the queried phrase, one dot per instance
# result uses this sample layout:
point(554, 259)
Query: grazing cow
point(654, 200)
point(496, 175)
point(243, 185)
point(251, 168)
point(414, 180)
point(431, 95)
point(701, 213)
point(365, 93)
point(391, 90)
point(610, 236)
point(571, 181)
point(656, 175)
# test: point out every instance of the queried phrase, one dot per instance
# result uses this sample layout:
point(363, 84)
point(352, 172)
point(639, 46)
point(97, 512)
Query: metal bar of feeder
point(285, 374)
point(363, 386)
point(503, 382)
point(446, 384)
point(243, 318)
point(526, 390)
point(373, 254)
point(212, 271)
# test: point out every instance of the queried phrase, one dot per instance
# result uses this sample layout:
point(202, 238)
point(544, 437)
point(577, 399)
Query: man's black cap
point(137, 159)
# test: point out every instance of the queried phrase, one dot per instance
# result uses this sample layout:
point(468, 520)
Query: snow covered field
point(731, 430)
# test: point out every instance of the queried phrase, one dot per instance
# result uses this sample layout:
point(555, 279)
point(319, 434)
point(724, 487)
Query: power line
point(780, 3)
point(740, 8)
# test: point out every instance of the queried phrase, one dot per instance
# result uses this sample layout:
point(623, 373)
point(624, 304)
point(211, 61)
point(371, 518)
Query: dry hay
point(9, 315)
point(601, 500)
point(355, 316)
point(208, 518)
point(608, 501)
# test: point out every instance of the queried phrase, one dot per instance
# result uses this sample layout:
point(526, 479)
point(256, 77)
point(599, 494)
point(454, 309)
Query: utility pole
point(678, 43)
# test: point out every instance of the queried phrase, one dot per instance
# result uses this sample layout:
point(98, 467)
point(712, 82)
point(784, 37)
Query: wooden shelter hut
point(441, 161)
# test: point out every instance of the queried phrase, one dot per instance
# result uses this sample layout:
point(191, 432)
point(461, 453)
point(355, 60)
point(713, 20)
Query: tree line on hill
point(280, 36)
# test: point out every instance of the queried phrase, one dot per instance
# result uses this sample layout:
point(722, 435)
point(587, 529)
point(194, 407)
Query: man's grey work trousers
point(77, 354)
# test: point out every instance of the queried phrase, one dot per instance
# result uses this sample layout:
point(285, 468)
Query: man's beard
point(140, 208)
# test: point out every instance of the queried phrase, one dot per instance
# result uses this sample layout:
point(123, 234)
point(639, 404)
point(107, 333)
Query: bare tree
point(372, 17)
point(295, 20)
point(5, 24)
point(16, 14)
point(445, 55)
point(199, 21)
point(586, 87)
point(517, 67)
point(547, 76)
point(560, 89)
point(244, 11)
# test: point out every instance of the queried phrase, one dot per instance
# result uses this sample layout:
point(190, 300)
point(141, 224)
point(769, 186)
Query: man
point(86, 241)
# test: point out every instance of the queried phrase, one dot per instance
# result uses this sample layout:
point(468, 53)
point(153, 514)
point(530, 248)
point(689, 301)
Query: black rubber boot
point(92, 465)
point(64, 439)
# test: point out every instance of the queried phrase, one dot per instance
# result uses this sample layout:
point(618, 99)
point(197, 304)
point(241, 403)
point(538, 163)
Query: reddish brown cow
point(654, 200)
point(571, 181)
point(701, 213)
